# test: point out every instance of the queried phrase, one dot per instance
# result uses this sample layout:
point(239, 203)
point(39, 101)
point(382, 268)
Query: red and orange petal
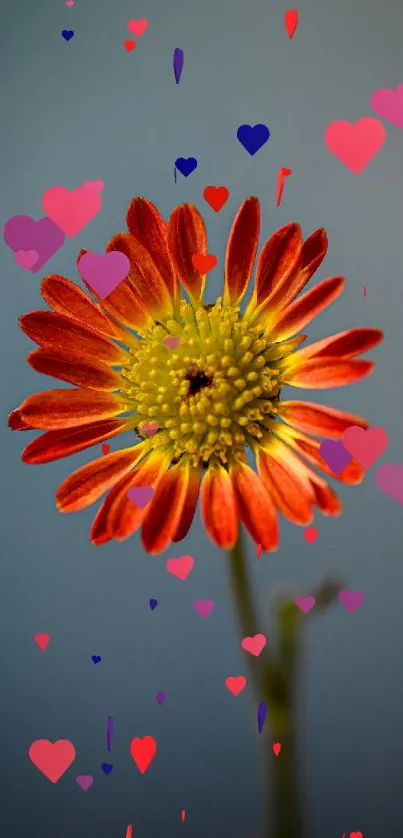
point(308, 449)
point(344, 345)
point(150, 288)
point(54, 445)
point(16, 423)
point(255, 506)
point(75, 369)
point(51, 330)
point(187, 236)
point(313, 252)
point(219, 508)
point(241, 251)
point(323, 373)
point(326, 422)
point(286, 490)
point(90, 482)
point(65, 297)
point(278, 263)
point(164, 512)
point(302, 311)
point(145, 223)
point(189, 506)
point(53, 410)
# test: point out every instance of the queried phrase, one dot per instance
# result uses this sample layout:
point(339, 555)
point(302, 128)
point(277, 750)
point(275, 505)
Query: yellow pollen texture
point(209, 392)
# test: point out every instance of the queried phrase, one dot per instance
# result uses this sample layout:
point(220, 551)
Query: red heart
point(52, 758)
point(236, 685)
point(130, 45)
point(143, 752)
point(311, 534)
point(356, 835)
point(276, 748)
point(216, 196)
point(42, 640)
point(105, 448)
point(291, 21)
point(204, 262)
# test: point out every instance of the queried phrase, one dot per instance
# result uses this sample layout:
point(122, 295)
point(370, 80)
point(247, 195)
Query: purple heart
point(389, 479)
point(335, 455)
point(21, 232)
point(186, 165)
point(253, 137)
point(104, 272)
point(204, 607)
point(85, 781)
point(161, 697)
point(140, 495)
point(304, 603)
point(351, 599)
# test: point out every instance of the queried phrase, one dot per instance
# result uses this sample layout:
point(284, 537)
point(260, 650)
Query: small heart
point(335, 455)
point(305, 603)
point(153, 604)
point(259, 549)
point(130, 46)
point(388, 104)
point(253, 137)
point(96, 658)
point(172, 341)
point(104, 272)
point(107, 767)
point(389, 479)
point(137, 27)
point(254, 645)
point(355, 144)
point(291, 22)
point(85, 781)
point(161, 697)
point(93, 185)
point(276, 748)
point(69, 3)
point(186, 165)
point(204, 262)
point(143, 752)
point(204, 607)
point(216, 196)
point(351, 600)
point(311, 534)
point(105, 448)
point(67, 34)
point(149, 428)
point(236, 685)
point(180, 567)
point(365, 445)
point(26, 258)
point(356, 835)
point(140, 495)
point(42, 640)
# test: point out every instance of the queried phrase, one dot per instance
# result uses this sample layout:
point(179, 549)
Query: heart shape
point(351, 600)
point(93, 185)
point(107, 767)
point(204, 262)
point(186, 165)
point(253, 137)
point(356, 835)
point(143, 752)
point(254, 645)
point(355, 144)
point(335, 455)
point(172, 341)
point(389, 104)
point(204, 607)
point(216, 196)
point(291, 22)
point(149, 428)
point(153, 604)
point(389, 479)
point(67, 34)
point(85, 781)
point(26, 258)
point(276, 748)
point(130, 46)
point(138, 27)
point(96, 658)
point(105, 448)
point(305, 603)
point(161, 697)
point(71, 211)
point(365, 445)
point(311, 534)
point(52, 758)
point(22, 233)
point(69, 3)
point(236, 684)
point(180, 567)
point(42, 640)
point(104, 272)
point(140, 495)
point(259, 549)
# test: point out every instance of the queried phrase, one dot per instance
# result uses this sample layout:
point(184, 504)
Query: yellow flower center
point(209, 393)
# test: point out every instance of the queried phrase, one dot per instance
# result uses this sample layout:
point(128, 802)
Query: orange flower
point(215, 396)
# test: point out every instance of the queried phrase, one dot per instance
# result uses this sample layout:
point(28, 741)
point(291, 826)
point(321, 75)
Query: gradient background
point(87, 110)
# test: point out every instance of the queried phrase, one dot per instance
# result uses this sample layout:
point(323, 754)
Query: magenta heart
point(23, 233)
point(204, 607)
point(26, 258)
point(305, 603)
point(389, 479)
point(104, 272)
point(138, 27)
point(172, 341)
point(85, 781)
point(140, 495)
point(351, 599)
point(389, 104)
point(149, 428)
point(335, 455)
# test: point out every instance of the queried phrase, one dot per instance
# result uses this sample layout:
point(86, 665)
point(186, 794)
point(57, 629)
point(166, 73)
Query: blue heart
point(67, 34)
point(253, 137)
point(186, 165)
point(96, 658)
point(107, 767)
point(153, 604)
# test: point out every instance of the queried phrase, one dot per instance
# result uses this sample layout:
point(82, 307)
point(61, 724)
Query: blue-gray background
point(87, 110)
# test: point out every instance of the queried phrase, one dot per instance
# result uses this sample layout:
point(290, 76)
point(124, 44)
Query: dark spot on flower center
point(198, 381)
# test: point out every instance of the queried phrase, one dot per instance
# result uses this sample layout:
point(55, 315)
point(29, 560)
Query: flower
point(215, 393)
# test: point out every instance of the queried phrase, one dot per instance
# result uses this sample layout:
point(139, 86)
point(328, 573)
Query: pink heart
point(138, 27)
point(149, 428)
point(365, 445)
point(104, 272)
point(69, 3)
point(204, 607)
point(357, 143)
point(85, 781)
point(42, 640)
point(236, 684)
point(351, 599)
point(71, 211)
point(305, 603)
point(389, 479)
point(26, 258)
point(311, 534)
point(140, 495)
point(254, 645)
point(93, 185)
point(172, 341)
point(180, 567)
point(389, 104)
